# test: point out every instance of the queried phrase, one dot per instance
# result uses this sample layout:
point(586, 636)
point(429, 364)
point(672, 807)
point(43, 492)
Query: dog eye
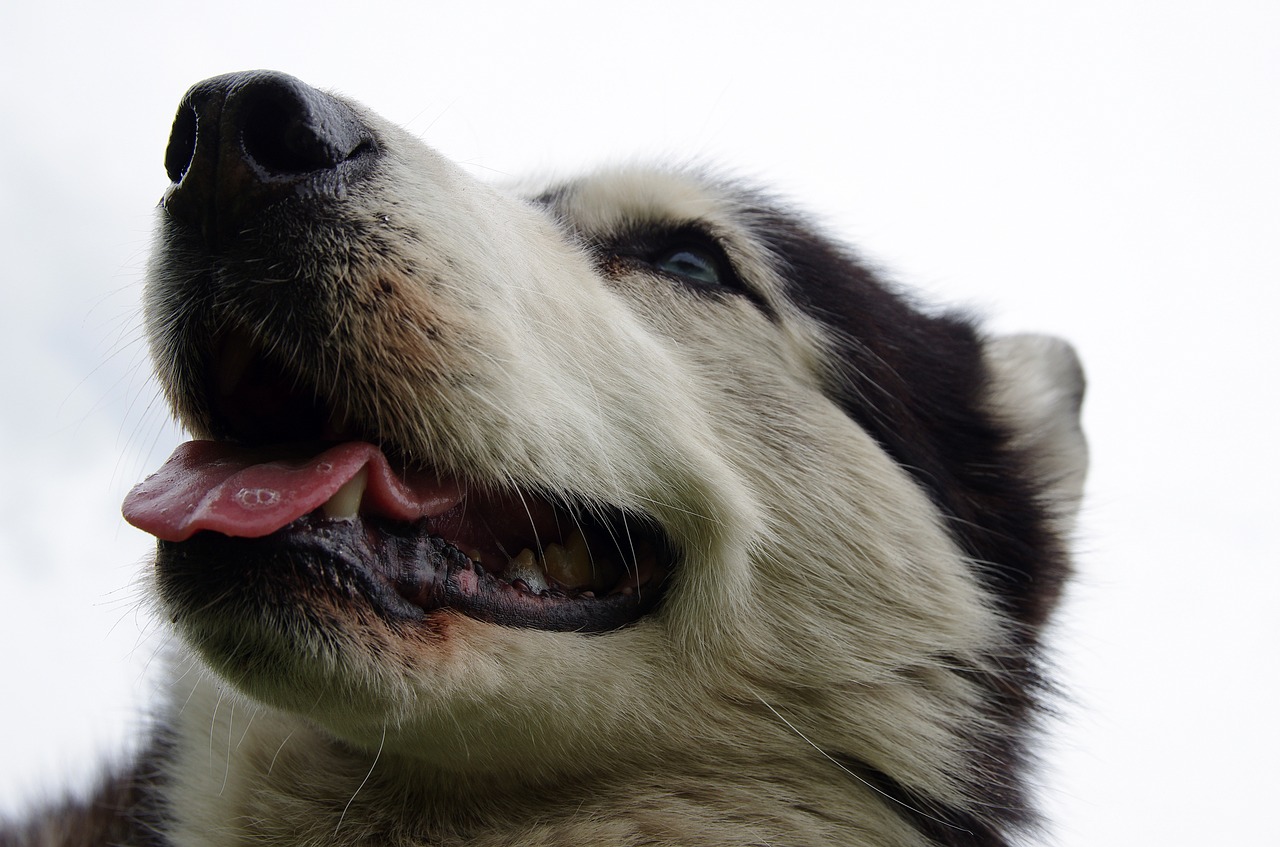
point(692, 263)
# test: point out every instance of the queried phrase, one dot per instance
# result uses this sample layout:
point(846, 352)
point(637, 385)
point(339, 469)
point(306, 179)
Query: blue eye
point(691, 263)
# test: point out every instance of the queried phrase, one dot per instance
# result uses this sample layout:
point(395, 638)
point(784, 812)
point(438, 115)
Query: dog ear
point(1037, 389)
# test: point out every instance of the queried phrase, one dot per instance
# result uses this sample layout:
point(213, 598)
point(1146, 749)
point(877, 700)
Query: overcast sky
point(1105, 171)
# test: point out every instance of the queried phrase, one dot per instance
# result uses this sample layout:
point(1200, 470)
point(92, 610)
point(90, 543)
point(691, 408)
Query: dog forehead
point(611, 200)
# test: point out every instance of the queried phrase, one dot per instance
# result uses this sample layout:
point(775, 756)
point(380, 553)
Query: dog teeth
point(345, 502)
point(569, 565)
point(524, 567)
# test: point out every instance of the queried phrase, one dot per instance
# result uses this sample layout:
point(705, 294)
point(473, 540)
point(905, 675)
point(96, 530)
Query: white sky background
point(1106, 171)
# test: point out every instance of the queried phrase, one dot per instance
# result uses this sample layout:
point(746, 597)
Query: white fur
point(1038, 389)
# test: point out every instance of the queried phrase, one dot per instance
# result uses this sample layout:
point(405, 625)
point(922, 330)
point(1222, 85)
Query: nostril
point(287, 130)
point(182, 144)
point(243, 142)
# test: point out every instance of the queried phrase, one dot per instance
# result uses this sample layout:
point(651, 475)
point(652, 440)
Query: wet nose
point(243, 142)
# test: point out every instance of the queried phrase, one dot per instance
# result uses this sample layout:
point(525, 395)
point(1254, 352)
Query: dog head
point(634, 470)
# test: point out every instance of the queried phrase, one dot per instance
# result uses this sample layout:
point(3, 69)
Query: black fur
point(916, 382)
point(125, 808)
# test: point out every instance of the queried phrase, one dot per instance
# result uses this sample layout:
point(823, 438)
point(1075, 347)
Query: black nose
point(245, 141)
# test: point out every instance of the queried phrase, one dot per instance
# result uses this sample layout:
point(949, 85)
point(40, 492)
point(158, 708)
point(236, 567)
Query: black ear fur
point(919, 384)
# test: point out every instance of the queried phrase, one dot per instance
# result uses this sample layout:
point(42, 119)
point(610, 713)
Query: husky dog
point(624, 510)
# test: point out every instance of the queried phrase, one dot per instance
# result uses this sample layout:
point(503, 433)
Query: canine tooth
point(345, 502)
point(525, 567)
point(568, 565)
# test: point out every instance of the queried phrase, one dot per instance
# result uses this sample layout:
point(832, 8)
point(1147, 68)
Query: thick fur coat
point(824, 528)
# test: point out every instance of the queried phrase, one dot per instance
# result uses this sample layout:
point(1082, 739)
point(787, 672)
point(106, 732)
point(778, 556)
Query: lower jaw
point(399, 570)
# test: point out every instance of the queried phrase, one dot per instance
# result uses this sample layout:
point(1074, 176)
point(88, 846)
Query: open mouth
point(412, 541)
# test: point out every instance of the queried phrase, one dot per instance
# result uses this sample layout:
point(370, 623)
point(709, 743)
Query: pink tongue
point(207, 485)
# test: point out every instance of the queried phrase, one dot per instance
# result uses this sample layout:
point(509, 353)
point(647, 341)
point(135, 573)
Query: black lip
point(399, 569)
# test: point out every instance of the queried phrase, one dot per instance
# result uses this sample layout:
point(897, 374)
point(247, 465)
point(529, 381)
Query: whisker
point(376, 757)
point(865, 782)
